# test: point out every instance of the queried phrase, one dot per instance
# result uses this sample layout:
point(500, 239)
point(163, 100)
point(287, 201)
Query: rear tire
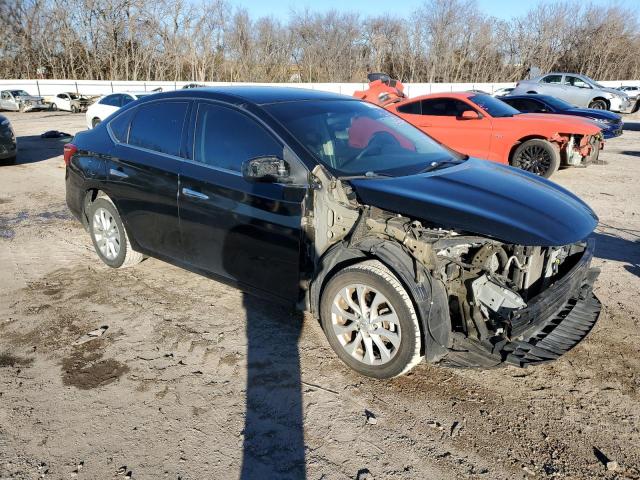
point(537, 156)
point(370, 321)
point(95, 122)
point(109, 236)
point(598, 105)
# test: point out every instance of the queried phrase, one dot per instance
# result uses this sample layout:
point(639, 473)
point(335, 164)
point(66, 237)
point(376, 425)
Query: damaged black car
point(403, 249)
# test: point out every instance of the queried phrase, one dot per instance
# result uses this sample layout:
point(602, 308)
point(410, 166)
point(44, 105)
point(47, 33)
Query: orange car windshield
point(493, 106)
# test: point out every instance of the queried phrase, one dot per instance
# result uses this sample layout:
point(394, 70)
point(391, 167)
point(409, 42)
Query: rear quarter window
point(158, 126)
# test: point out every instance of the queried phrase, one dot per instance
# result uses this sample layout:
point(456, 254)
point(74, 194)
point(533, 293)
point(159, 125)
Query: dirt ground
point(192, 379)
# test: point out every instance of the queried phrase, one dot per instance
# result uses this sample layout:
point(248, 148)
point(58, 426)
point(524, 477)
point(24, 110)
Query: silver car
point(20, 100)
point(578, 90)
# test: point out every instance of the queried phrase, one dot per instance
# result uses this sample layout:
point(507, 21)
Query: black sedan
point(401, 248)
point(610, 123)
point(8, 143)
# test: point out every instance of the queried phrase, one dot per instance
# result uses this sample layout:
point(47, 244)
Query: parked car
point(482, 126)
point(8, 142)
point(194, 85)
point(610, 123)
point(579, 90)
point(69, 102)
point(503, 91)
point(108, 104)
point(20, 100)
point(403, 249)
point(633, 91)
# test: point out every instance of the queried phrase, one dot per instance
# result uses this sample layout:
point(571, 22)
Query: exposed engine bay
point(488, 283)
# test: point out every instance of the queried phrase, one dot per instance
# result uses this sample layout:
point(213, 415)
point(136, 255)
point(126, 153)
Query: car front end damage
point(577, 150)
point(483, 302)
point(30, 103)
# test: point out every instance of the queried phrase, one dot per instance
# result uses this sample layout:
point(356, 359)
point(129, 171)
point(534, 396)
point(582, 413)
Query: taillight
point(69, 151)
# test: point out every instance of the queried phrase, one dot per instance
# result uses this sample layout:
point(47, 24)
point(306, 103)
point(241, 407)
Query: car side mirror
point(469, 115)
point(266, 169)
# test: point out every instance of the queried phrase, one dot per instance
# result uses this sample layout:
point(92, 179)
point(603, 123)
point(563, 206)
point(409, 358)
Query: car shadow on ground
point(610, 246)
point(631, 126)
point(273, 442)
point(631, 152)
point(33, 148)
point(273, 435)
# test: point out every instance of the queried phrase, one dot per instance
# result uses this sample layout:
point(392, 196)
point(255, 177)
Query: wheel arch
point(90, 196)
point(427, 294)
point(520, 141)
point(605, 100)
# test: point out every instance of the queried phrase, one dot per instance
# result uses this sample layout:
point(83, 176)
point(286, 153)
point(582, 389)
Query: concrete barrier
point(97, 87)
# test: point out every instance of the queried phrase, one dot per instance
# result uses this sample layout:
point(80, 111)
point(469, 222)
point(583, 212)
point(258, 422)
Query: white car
point(108, 104)
point(69, 102)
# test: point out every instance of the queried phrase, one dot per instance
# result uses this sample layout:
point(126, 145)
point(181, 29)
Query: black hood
point(487, 199)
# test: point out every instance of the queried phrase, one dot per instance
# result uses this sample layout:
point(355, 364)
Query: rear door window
point(225, 138)
point(413, 108)
point(554, 79)
point(111, 100)
point(158, 126)
point(125, 99)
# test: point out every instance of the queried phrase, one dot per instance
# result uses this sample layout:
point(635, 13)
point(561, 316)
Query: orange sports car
point(481, 126)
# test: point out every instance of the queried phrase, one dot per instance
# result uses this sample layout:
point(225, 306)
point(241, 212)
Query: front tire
point(598, 105)
point(54, 107)
point(108, 235)
point(537, 156)
point(370, 321)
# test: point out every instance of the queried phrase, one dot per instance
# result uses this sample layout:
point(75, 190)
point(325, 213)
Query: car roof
point(528, 95)
point(456, 95)
point(258, 95)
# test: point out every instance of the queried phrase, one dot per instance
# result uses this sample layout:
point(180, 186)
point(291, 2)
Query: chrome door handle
point(117, 173)
point(187, 192)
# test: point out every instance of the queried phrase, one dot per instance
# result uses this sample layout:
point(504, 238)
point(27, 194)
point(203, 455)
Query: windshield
point(73, 96)
point(355, 138)
point(493, 106)
point(19, 93)
point(556, 102)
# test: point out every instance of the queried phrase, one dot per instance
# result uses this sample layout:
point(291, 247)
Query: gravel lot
point(194, 380)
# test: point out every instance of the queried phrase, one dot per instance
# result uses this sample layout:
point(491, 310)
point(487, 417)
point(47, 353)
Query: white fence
point(91, 87)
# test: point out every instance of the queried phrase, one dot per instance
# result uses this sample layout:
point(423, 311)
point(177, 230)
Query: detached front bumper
point(552, 324)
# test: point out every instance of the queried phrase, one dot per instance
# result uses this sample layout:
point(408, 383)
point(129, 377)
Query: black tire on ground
point(95, 122)
point(537, 156)
point(595, 151)
point(9, 161)
point(125, 256)
point(53, 107)
point(404, 353)
point(74, 109)
point(598, 104)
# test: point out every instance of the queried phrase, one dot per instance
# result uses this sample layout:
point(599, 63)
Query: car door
point(442, 119)
point(552, 85)
point(142, 173)
point(578, 92)
point(244, 232)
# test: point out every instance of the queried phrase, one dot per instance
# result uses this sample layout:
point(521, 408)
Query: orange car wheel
point(537, 156)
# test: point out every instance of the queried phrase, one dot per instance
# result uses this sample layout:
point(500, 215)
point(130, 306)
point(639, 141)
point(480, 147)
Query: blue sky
point(504, 9)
